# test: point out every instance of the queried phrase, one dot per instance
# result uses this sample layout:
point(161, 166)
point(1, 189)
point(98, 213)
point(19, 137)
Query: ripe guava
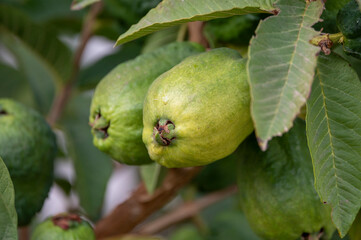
point(116, 114)
point(28, 148)
point(199, 111)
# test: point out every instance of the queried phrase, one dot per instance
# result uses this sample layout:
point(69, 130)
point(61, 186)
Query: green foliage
point(172, 12)
point(92, 167)
point(333, 132)
point(8, 217)
point(152, 175)
point(280, 69)
point(28, 148)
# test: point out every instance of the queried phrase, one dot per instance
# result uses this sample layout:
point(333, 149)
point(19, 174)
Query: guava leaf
point(92, 167)
point(281, 67)
point(8, 217)
point(79, 4)
point(40, 78)
point(152, 175)
point(172, 12)
point(359, 4)
point(39, 39)
point(334, 138)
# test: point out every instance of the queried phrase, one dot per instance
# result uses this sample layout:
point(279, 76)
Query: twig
point(195, 30)
point(24, 233)
point(141, 205)
point(185, 211)
point(61, 100)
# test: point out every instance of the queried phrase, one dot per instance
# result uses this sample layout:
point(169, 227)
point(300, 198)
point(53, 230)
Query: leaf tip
point(263, 144)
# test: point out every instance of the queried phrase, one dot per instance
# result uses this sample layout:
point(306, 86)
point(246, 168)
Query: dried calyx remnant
point(163, 132)
point(100, 126)
point(308, 236)
point(2, 111)
point(66, 221)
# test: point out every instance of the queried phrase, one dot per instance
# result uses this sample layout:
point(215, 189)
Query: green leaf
point(14, 85)
point(161, 38)
point(79, 4)
point(281, 67)
point(8, 217)
point(39, 39)
point(91, 76)
point(152, 175)
point(172, 12)
point(359, 4)
point(92, 167)
point(334, 137)
point(355, 231)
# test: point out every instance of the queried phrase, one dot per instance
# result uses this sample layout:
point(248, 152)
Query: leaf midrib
point(329, 133)
point(288, 72)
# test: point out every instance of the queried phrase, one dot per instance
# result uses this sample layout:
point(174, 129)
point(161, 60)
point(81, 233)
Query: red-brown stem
point(62, 98)
point(185, 211)
point(140, 205)
point(195, 31)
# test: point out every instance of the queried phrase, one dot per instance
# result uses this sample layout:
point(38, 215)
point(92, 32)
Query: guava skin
point(116, 112)
point(199, 109)
point(77, 230)
point(277, 191)
point(28, 148)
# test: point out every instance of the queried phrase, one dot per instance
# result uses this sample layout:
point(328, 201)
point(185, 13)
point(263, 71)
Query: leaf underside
point(8, 217)
point(173, 12)
point(281, 67)
point(334, 138)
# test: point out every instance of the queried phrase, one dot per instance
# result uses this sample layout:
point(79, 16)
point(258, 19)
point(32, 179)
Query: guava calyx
point(314, 236)
point(100, 126)
point(66, 221)
point(163, 132)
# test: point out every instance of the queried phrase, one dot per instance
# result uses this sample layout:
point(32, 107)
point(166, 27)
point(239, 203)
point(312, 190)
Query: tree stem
point(62, 98)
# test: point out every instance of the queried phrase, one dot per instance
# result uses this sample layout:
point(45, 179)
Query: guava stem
point(164, 132)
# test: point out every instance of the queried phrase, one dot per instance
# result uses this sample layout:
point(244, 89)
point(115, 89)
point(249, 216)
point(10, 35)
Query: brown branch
point(195, 31)
point(63, 97)
point(141, 205)
point(185, 211)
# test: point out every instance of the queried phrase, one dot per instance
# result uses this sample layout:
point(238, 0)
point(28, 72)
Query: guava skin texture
point(28, 148)
point(277, 192)
point(64, 227)
point(198, 112)
point(116, 113)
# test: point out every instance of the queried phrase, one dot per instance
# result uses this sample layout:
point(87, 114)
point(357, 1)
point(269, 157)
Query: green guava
point(198, 112)
point(116, 114)
point(349, 23)
point(277, 191)
point(28, 148)
point(64, 227)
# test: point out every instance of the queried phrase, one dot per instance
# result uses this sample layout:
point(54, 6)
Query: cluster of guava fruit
point(192, 108)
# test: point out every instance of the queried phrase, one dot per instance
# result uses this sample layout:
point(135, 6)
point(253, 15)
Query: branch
point(63, 97)
point(141, 205)
point(195, 31)
point(185, 211)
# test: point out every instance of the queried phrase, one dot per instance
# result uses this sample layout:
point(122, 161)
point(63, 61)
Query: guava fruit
point(276, 187)
point(64, 227)
point(349, 23)
point(117, 107)
point(28, 148)
point(198, 112)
